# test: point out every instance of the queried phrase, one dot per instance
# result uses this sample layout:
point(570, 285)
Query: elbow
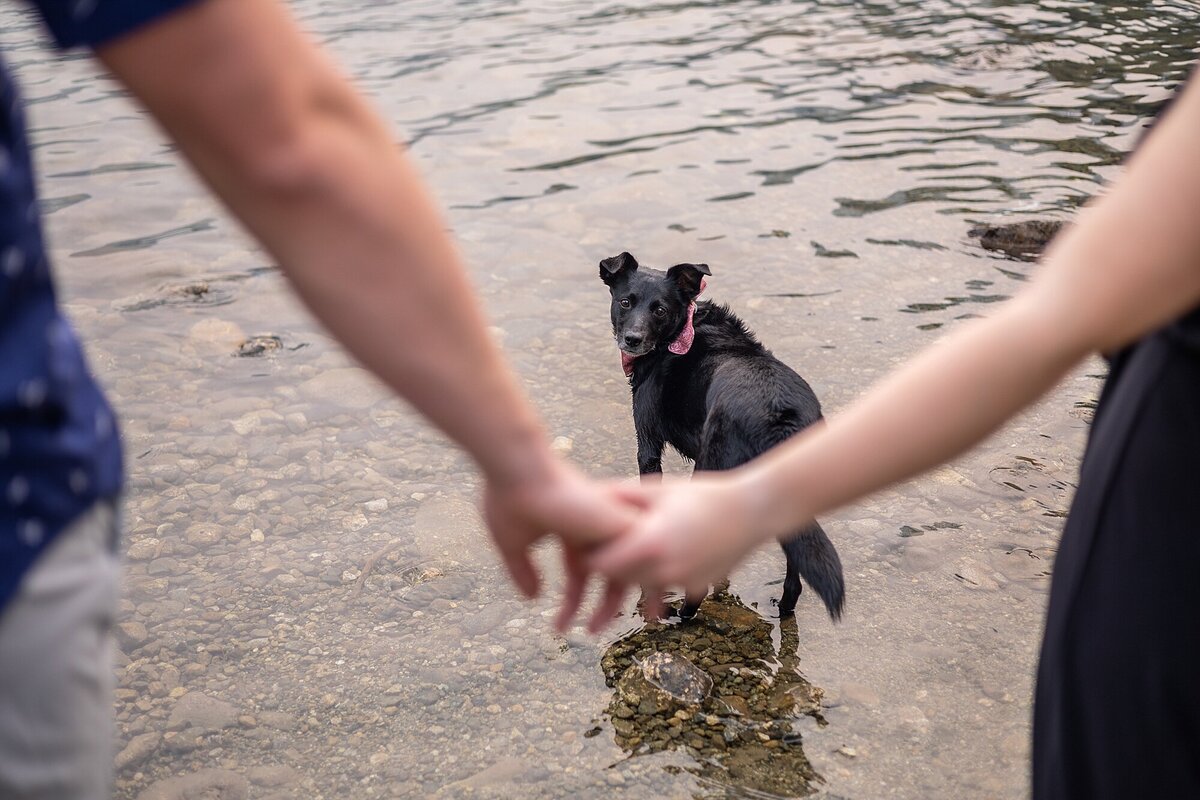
point(282, 144)
point(289, 162)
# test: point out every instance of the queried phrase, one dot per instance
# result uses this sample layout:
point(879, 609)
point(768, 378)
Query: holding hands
point(689, 534)
point(678, 534)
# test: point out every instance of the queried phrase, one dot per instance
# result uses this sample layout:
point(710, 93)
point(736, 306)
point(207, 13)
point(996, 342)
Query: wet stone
point(259, 346)
point(212, 292)
point(143, 549)
point(140, 748)
point(201, 711)
point(130, 635)
point(279, 720)
point(203, 533)
point(208, 784)
point(671, 694)
point(677, 676)
point(273, 776)
point(164, 566)
point(1024, 241)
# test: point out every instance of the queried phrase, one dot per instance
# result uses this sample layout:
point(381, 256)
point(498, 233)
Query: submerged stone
point(678, 677)
point(258, 346)
point(1021, 240)
point(718, 689)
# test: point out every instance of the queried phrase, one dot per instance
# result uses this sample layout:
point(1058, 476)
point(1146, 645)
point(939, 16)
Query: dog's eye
point(660, 312)
point(625, 302)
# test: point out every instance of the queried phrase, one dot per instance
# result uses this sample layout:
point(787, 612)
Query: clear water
point(826, 159)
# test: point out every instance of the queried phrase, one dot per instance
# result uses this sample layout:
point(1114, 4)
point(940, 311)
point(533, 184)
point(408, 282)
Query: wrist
point(522, 459)
point(771, 510)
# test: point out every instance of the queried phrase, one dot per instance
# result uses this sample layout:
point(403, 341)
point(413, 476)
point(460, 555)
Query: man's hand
point(314, 174)
point(691, 534)
point(558, 500)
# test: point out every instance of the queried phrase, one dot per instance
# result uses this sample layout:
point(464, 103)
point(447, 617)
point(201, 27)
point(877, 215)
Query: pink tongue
point(627, 363)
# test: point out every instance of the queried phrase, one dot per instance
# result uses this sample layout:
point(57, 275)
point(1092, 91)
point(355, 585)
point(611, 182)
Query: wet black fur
point(724, 402)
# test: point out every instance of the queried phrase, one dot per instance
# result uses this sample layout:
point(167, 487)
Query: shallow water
point(310, 609)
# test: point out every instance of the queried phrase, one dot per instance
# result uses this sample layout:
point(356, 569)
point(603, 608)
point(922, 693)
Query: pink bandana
point(682, 343)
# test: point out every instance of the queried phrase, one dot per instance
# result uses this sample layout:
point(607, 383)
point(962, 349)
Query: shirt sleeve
point(92, 23)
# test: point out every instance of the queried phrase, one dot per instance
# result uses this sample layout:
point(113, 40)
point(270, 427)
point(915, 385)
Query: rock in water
point(678, 677)
point(258, 346)
point(206, 784)
point(1022, 240)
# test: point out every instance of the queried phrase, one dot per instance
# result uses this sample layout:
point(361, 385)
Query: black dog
point(705, 385)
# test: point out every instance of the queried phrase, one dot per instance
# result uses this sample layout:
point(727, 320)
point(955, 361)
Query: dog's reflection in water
point(715, 687)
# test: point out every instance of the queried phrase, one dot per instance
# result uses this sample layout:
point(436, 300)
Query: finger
point(593, 517)
point(638, 495)
point(610, 604)
point(509, 537)
point(576, 575)
point(629, 558)
point(521, 569)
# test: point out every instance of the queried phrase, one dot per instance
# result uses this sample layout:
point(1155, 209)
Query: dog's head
point(649, 306)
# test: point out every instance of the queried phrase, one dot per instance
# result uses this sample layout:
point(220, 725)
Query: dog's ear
point(613, 268)
point(689, 277)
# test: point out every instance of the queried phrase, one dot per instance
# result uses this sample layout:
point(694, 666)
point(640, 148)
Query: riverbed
point(310, 605)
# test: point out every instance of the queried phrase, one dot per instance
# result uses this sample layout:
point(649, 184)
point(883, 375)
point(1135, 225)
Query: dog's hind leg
point(793, 551)
point(814, 558)
point(691, 604)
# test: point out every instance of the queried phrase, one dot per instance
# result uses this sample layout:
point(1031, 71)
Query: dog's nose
point(633, 339)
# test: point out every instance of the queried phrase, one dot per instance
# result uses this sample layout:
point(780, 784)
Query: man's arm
point(297, 155)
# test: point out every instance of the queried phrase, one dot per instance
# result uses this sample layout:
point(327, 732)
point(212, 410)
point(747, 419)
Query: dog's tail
point(816, 559)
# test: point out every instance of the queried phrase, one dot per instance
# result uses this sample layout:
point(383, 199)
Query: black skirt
point(1117, 708)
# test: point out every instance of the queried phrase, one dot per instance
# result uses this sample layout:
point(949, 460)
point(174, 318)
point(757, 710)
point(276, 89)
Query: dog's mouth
point(636, 352)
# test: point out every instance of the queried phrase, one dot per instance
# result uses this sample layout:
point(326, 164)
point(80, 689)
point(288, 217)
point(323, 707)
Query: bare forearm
point(368, 253)
point(1130, 265)
point(939, 405)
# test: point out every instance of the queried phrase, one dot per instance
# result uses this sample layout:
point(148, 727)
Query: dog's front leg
point(649, 456)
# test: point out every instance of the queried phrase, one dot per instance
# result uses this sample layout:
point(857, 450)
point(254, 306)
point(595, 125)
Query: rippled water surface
point(310, 608)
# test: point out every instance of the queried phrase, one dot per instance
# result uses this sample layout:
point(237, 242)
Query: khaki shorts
point(56, 725)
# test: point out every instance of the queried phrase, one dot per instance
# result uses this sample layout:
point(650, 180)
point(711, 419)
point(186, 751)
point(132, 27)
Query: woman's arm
point(306, 165)
point(1129, 265)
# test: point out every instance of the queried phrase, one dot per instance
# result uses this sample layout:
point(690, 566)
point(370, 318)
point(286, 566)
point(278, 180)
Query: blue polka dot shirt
point(59, 447)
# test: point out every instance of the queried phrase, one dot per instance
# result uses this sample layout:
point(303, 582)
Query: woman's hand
point(691, 534)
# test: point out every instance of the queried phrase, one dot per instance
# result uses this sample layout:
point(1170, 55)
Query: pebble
point(130, 635)
point(220, 336)
point(273, 775)
point(354, 522)
point(209, 784)
point(143, 549)
point(279, 720)
point(137, 751)
point(502, 771)
point(195, 709)
point(203, 533)
point(348, 388)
